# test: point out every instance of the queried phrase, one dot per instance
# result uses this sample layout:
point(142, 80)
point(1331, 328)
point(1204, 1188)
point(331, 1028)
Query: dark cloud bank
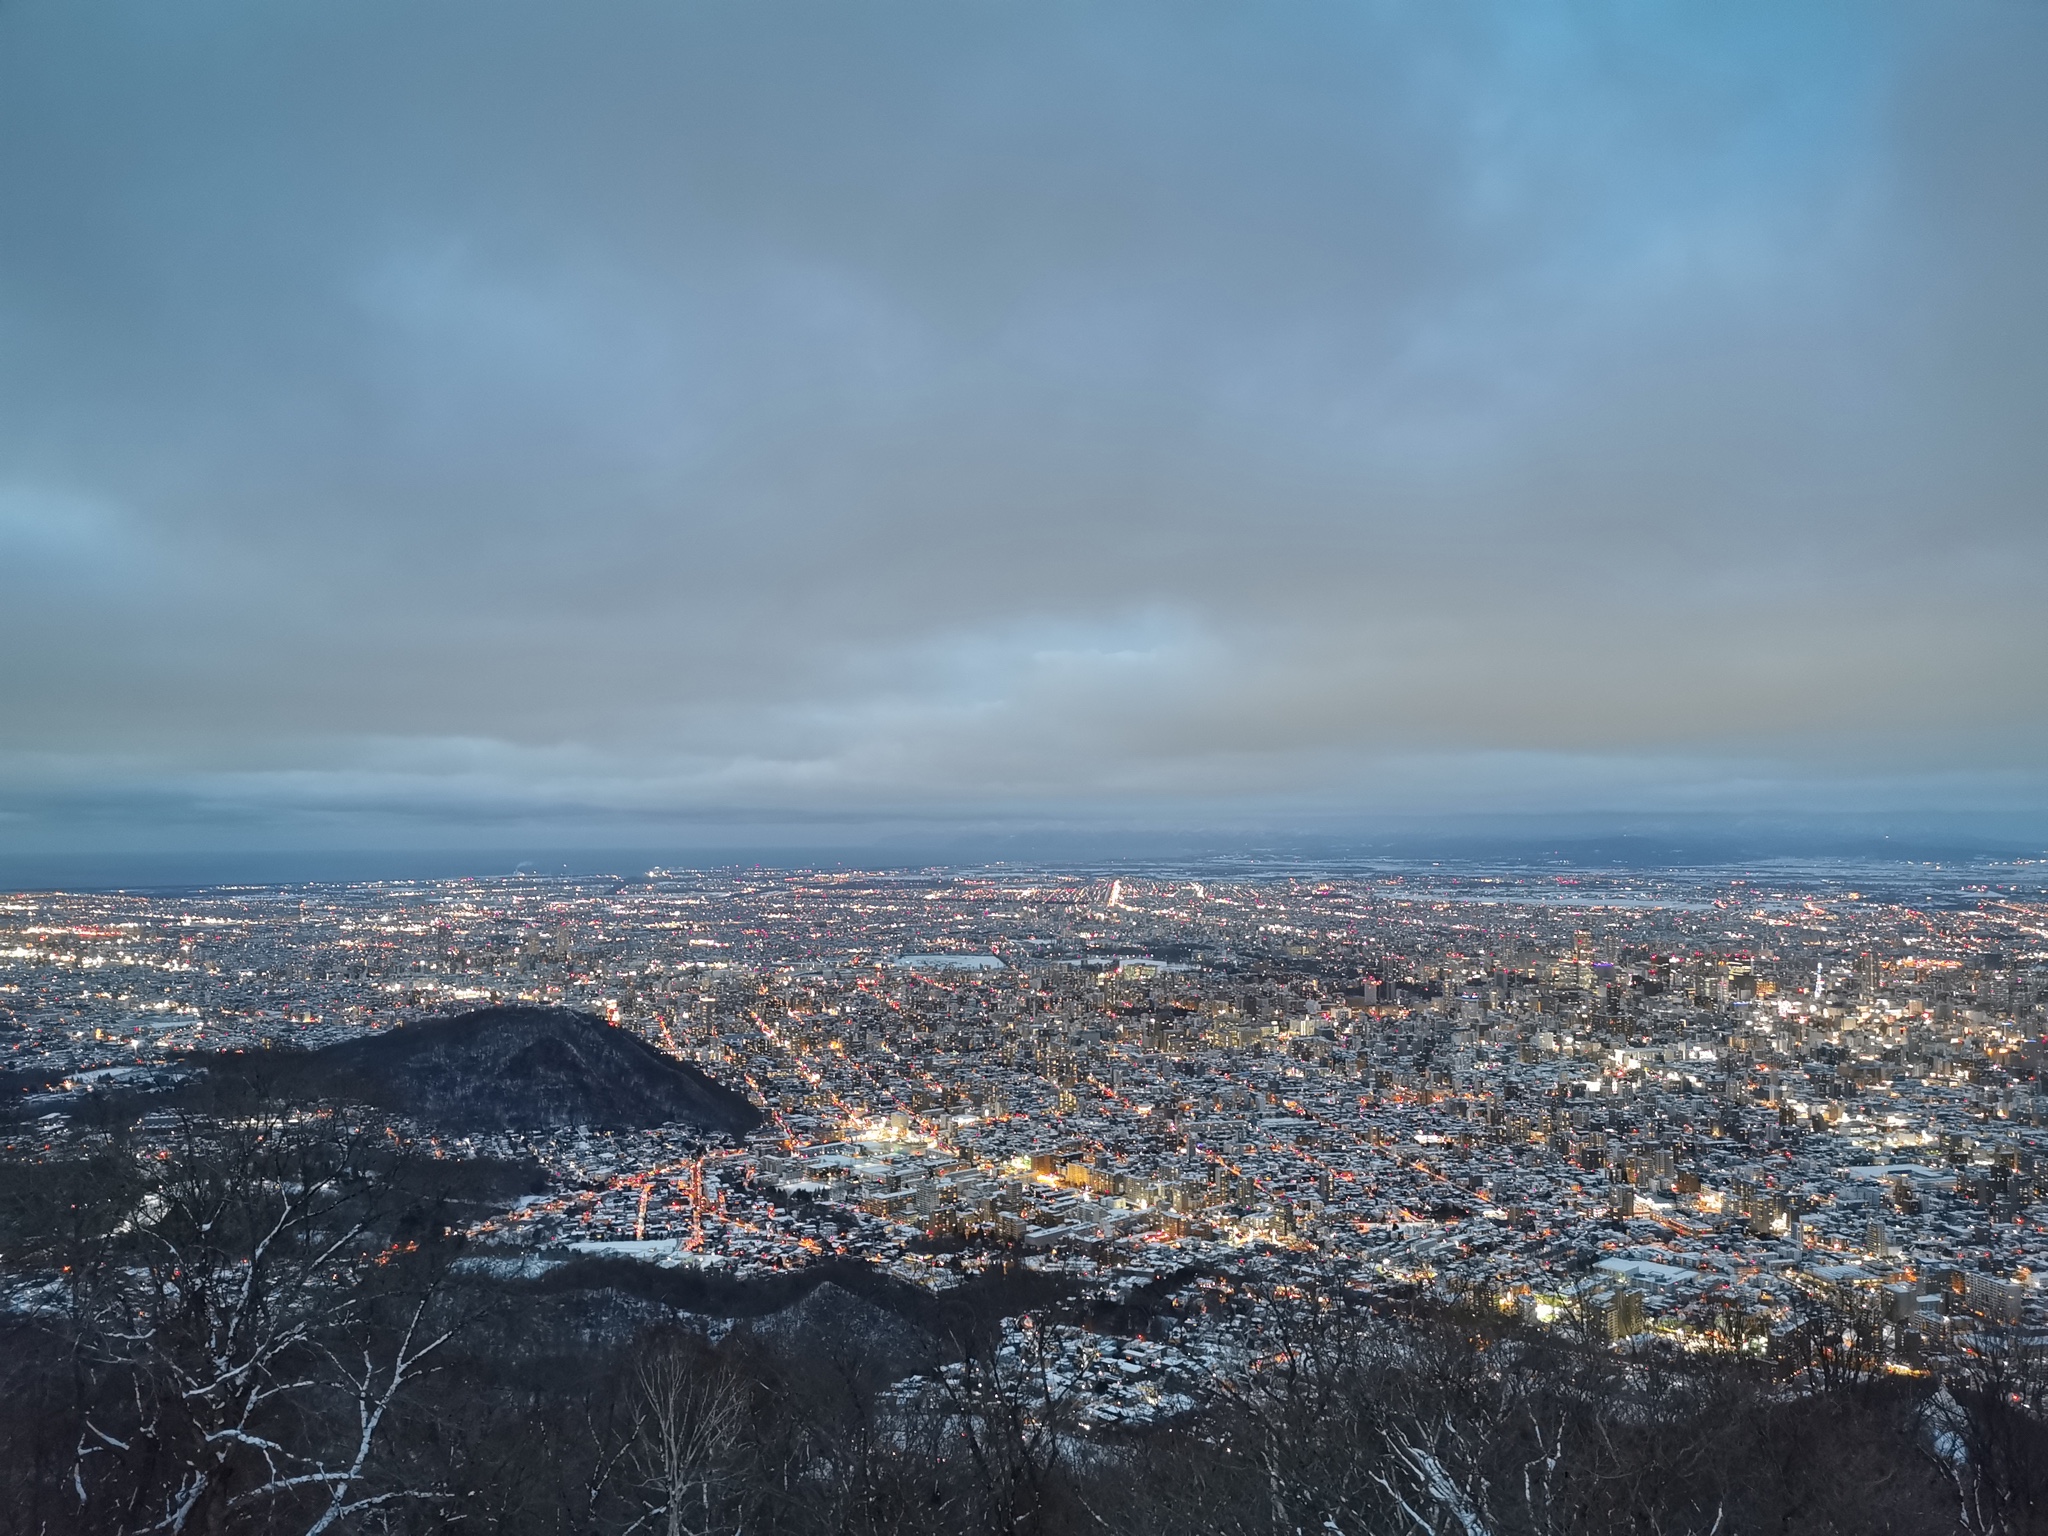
point(500, 425)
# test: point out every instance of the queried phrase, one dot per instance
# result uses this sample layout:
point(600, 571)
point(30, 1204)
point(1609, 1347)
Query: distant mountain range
point(520, 1068)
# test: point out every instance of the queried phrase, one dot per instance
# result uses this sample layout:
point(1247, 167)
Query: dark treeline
point(256, 1321)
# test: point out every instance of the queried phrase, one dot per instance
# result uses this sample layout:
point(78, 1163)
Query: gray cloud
point(592, 416)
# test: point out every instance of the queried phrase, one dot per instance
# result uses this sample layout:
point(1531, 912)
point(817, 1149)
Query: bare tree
point(242, 1345)
point(1987, 1432)
point(689, 1419)
point(1011, 1407)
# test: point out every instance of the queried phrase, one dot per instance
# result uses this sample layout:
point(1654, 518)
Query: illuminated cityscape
point(1681, 1105)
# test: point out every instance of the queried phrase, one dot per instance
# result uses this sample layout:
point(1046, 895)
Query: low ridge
point(528, 1068)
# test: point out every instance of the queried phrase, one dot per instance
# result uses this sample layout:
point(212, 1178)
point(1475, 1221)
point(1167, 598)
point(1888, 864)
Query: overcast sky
point(434, 423)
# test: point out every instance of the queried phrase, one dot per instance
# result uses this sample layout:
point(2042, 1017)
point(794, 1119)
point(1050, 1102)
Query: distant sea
point(1459, 859)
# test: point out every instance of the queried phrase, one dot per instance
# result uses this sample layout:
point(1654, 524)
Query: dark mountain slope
point(500, 1068)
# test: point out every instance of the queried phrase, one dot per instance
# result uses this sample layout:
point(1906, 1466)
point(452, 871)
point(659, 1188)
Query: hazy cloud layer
point(597, 418)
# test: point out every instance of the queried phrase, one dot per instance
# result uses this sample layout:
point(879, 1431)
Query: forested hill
point(518, 1067)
